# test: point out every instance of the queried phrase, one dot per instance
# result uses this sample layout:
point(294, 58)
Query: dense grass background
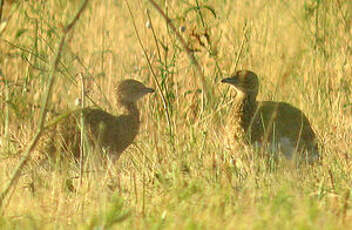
point(186, 173)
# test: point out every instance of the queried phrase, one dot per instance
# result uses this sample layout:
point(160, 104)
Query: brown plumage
point(268, 123)
point(104, 130)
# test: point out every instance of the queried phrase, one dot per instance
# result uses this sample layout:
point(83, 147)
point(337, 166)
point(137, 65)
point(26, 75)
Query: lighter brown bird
point(107, 131)
point(267, 123)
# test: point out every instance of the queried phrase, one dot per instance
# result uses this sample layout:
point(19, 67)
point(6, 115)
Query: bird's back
point(282, 123)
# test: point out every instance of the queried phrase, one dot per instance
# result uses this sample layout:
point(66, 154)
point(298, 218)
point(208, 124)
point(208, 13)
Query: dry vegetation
point(183, 173)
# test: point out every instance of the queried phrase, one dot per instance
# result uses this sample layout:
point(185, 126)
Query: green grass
point(181, 173)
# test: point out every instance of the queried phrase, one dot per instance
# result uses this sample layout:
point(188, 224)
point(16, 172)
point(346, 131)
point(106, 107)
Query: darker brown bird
point(267, 123)
point(106, 131)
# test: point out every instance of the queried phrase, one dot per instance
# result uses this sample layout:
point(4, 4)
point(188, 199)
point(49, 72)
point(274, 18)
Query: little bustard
point(104, 130)
point(267, 123)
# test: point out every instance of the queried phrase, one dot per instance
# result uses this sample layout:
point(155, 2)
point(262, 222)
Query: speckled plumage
point(267, 123)
point(104, 130)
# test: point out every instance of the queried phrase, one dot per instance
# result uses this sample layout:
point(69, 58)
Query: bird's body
point(278, 125)
point(113, 133)
point(104, 130)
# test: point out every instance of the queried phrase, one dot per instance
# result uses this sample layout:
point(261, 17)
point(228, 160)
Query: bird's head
point(245, 82)
point(129, 91)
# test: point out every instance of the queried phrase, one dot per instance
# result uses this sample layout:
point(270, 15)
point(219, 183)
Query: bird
point(277, 125)
point(104, 130)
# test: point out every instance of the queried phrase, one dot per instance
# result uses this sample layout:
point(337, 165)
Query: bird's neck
point(246, 108)
point(130, 109)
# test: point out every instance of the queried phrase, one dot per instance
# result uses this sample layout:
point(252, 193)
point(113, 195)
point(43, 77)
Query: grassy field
point(183, 171)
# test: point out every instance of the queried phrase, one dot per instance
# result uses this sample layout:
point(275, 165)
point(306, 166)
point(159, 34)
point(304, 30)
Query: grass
point(183, 171)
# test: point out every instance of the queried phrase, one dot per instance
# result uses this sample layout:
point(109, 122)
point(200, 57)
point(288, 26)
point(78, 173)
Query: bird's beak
point(149, 90)
point(230, 80)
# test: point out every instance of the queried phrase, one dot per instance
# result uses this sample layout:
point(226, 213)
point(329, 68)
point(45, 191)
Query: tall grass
point(183, 172)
